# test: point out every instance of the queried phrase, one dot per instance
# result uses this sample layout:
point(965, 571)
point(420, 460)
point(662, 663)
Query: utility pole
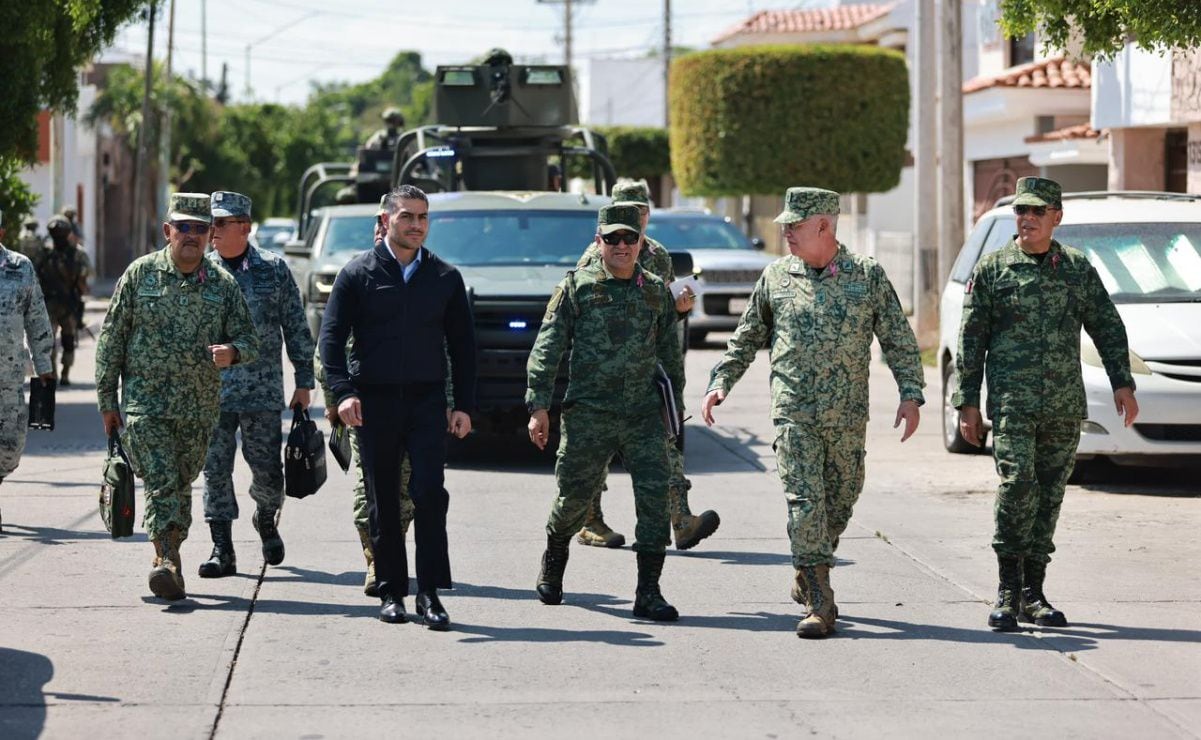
point(567, 33)
point(925, 247)
point(950, 118)
point(666, 62)
point(138, 242)
point(164, 136)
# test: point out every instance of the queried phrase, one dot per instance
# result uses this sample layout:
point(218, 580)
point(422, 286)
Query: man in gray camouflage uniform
point(22, 318)
point(251, 394)
point(818, 310)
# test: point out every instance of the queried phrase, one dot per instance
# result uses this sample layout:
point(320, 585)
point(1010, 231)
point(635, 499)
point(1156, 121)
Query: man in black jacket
point(401, 303)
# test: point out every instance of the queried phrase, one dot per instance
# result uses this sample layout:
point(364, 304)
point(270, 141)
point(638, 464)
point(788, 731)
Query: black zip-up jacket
point(398, 328)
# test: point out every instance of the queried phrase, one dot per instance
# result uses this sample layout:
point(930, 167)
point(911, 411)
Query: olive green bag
point(116, 490)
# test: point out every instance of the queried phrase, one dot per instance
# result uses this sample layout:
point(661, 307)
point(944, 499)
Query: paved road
point(297, 651)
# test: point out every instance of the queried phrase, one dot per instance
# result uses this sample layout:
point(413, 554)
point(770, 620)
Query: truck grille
point(731, 277)
point(505, 330)
point(1170, 432)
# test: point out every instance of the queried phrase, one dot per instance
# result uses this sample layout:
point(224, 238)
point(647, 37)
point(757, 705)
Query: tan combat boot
point(595, 532)
point(369, 586)
point(166, 577)
point(687, 529)
point(815, 585)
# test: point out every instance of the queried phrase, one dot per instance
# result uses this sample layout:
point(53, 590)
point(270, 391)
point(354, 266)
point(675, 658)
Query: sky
point(295, 42)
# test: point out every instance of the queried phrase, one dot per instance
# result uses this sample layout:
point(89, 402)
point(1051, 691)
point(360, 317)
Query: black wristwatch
point(530, 407)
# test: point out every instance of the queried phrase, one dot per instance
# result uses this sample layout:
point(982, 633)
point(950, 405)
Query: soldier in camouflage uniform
point(23, 320)
point(818, 310)
point(386, 137)
point(653, 257)
point(618, 320)
point(29, 242)
point(252, 393)
point(1022, 313)
point(63, 271)
point(174, 322)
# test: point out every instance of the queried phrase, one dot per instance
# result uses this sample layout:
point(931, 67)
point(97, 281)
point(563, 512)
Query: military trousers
point(262, 437)
point(398, 421)
point(588, 440)
point(1034, 458)
point(675, 478)
point(63, 320)
point(361, 520)
point(167, 454)
point(821, 468)
point(14, 422)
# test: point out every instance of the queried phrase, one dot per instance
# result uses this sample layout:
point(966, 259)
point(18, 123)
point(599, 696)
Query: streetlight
point(269, 36)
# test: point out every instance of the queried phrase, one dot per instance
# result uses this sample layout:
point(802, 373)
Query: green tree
point(1106, 25)
point(16, 199)
point(43, 44)
point(635, 151)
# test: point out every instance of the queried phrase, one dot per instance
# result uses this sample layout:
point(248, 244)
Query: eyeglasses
point(221, 223)
point(616, 238)
point(1039, 211)
point(187, 227)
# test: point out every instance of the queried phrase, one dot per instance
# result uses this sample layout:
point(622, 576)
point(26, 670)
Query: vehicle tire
point(951, 438)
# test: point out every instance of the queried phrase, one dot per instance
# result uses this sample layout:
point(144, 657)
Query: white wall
point(624, 92)
point(1135, 89)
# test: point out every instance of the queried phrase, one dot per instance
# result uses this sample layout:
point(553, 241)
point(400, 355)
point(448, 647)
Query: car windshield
point(511, 237)
point(266, 234)
point(348, 234)
point(696, 233)
point(1142, 262)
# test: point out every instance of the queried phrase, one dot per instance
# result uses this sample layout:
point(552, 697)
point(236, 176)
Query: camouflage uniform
point(1021, 326)
point(155, 341)
point(29, 243)
point(617, 330)
point(22, 318)
point(819, 326)
point(63, 270)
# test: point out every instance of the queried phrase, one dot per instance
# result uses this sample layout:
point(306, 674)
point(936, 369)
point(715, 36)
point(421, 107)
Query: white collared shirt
point(406, 271)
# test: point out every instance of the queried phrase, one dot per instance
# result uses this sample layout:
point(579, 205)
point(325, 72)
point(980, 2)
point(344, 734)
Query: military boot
point(63, 380)
point(554, 563)
point(369, 586)
point(1035, 607)
point(798, 592)
point(814, 584)
point(689, 530)
point(166, 577)
point(222, 561)
point(273, 545)
point(648, 600)
point(595, 532)
point(1004, 616)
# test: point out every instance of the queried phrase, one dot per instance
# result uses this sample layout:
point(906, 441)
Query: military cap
point(69, 212)
point(391, 115)
point(632, 193)
point(801, 203)
point(189, 207)
point(227, 205)
point(618, 218)
point(58, 224)
point(31, 221)
point(1038, 191)
point(383, 205)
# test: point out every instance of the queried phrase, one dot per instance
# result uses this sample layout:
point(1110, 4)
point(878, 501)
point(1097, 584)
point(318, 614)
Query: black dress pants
point(398, 419)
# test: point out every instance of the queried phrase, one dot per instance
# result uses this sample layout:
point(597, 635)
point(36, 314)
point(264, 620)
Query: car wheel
point(951, 438)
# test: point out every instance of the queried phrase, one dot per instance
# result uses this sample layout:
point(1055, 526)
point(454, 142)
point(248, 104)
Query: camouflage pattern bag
point(116, 491)
point(304, 456)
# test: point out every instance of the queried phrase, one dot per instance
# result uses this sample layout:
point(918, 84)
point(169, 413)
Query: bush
point(635, 151)
point(763, 119)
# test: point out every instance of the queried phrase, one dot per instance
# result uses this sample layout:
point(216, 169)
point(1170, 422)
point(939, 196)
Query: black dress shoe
point(431, 611)
point(392, 611)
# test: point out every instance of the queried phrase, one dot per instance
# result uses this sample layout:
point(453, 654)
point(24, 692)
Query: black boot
point(273, 544)
point(648, 600)
point(1004, 616)
point(223, 561)
point(1035, 607)
point(433, 615)
point(550, 578)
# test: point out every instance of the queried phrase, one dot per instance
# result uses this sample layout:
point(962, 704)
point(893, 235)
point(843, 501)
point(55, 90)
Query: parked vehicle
point(1147, 249)
point(273, 233)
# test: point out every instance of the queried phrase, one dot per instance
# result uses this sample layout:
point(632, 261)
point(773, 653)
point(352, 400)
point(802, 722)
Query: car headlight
point(320, 285)
point(1090, 356)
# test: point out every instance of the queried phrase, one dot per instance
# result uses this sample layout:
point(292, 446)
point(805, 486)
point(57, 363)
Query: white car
point(1147, 249)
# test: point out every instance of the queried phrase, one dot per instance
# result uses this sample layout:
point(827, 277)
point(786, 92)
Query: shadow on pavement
point(1103, 476)
point(76, 429)
point(55, 536)
point(1119, 632)
point(734, 557)
point(741, 457)
point(22, 699)
point(542, 635)
point(897, 630)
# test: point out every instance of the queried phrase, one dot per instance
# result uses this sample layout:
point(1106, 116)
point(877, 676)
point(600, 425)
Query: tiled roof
point(1079, 131)
point(840, 18)
point(1057, 72)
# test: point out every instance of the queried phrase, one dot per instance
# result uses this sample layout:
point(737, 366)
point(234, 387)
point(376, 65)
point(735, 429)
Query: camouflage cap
point(632, 193)
point(801, 203)
point(189, 207)
point(618, 218)
point(1038, 191)
point(58, 224)
point(69, 212)
point(383, 205)
point(230, 205)
point(31, 221)
point(393, 115)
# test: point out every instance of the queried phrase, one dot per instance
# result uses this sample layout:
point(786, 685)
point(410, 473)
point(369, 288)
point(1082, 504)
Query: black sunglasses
point(187, 227)
point(616, 238)
point(1036, 210)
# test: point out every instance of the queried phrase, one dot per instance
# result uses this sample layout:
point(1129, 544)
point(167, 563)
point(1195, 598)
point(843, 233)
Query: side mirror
point(757, 243)
point(296, 248)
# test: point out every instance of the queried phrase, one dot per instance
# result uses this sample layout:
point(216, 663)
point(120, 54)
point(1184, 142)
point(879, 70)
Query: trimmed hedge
point(635, 151)
point(762, 119)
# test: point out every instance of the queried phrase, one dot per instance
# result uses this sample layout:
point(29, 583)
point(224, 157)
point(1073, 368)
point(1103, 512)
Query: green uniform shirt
point(1021, 323)
point(156, 338)
point(618, 330)
point(819, 327)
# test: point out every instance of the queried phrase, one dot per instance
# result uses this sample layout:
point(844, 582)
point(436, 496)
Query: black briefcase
point(41, 403)
point(304, 456)
point(339, 445)
point(116, 491)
